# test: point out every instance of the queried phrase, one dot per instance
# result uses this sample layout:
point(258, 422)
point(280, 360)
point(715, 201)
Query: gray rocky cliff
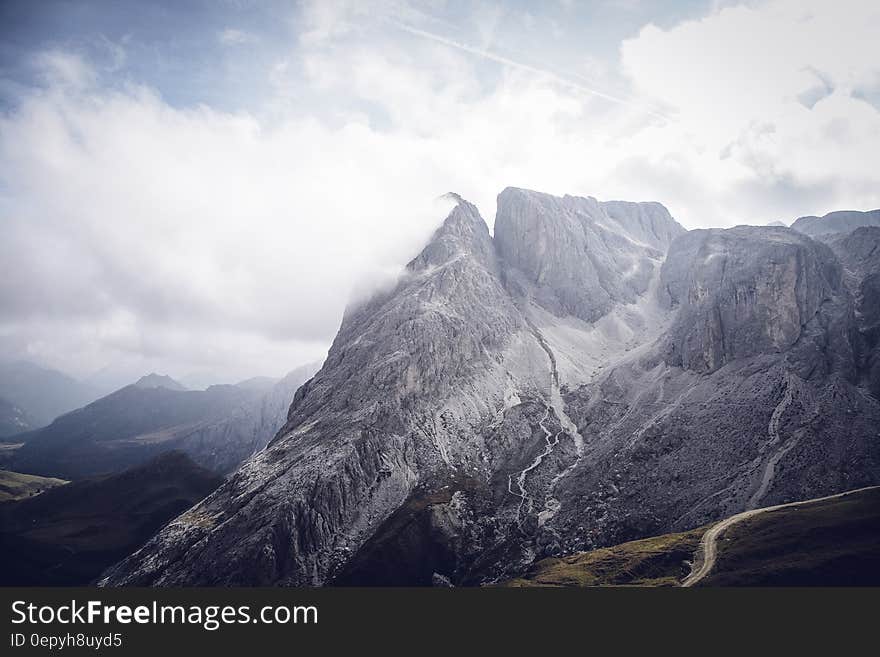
point(859, 253)
point(752, 290)
point(577, 256)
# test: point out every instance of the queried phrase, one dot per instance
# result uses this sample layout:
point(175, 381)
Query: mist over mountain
point(13, 420)
point(43, 394)
point(224, 262)
point(590, 374)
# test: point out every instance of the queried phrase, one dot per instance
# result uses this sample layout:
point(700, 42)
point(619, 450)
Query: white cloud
point(202, 239)
point(187, 233)
point(233, 37)
point(767, 101)
point(60, 68)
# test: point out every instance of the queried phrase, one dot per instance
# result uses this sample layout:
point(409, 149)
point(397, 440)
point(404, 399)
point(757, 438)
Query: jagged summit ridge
point(462, 233)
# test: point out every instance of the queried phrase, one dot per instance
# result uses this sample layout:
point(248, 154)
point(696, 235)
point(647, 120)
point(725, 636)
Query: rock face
point(577, 256)
point(859, 252)
point(748, 291)
point(560, 386)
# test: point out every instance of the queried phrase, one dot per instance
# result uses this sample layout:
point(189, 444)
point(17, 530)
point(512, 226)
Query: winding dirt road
point(707, 551)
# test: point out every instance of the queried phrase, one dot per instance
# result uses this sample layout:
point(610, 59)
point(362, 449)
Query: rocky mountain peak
point(590, 375)
point(463, 232)
point(154, 380)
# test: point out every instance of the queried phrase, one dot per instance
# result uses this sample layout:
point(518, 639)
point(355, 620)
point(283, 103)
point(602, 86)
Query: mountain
point(42, 394)
point(154, 380)
point(218, 427)
point(66, 535)
point(591, 374)
point(223, 444)
point(13, 420)
point(261, 383)
point(127, 427)
point(843, 221)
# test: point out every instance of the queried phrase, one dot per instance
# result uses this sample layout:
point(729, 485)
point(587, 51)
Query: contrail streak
point(549, 75)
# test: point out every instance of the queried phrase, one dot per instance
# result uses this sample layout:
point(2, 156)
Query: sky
point(198, 188)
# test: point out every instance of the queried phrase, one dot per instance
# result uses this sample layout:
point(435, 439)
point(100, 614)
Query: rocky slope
point(223, 444)
point(560, 386)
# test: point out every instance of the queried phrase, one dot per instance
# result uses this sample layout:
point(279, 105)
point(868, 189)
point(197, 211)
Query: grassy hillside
point(16, 486)
point(656, 561)
point(831, 543)
point(66, 536)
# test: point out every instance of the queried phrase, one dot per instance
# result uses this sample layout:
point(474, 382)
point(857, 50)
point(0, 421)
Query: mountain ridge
point(840, 221)
point(515, 417)
point(43, 394)
point(217, 427)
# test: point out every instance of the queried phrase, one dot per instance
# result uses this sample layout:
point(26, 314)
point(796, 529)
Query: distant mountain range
point(217, 427)
point(40, 394)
